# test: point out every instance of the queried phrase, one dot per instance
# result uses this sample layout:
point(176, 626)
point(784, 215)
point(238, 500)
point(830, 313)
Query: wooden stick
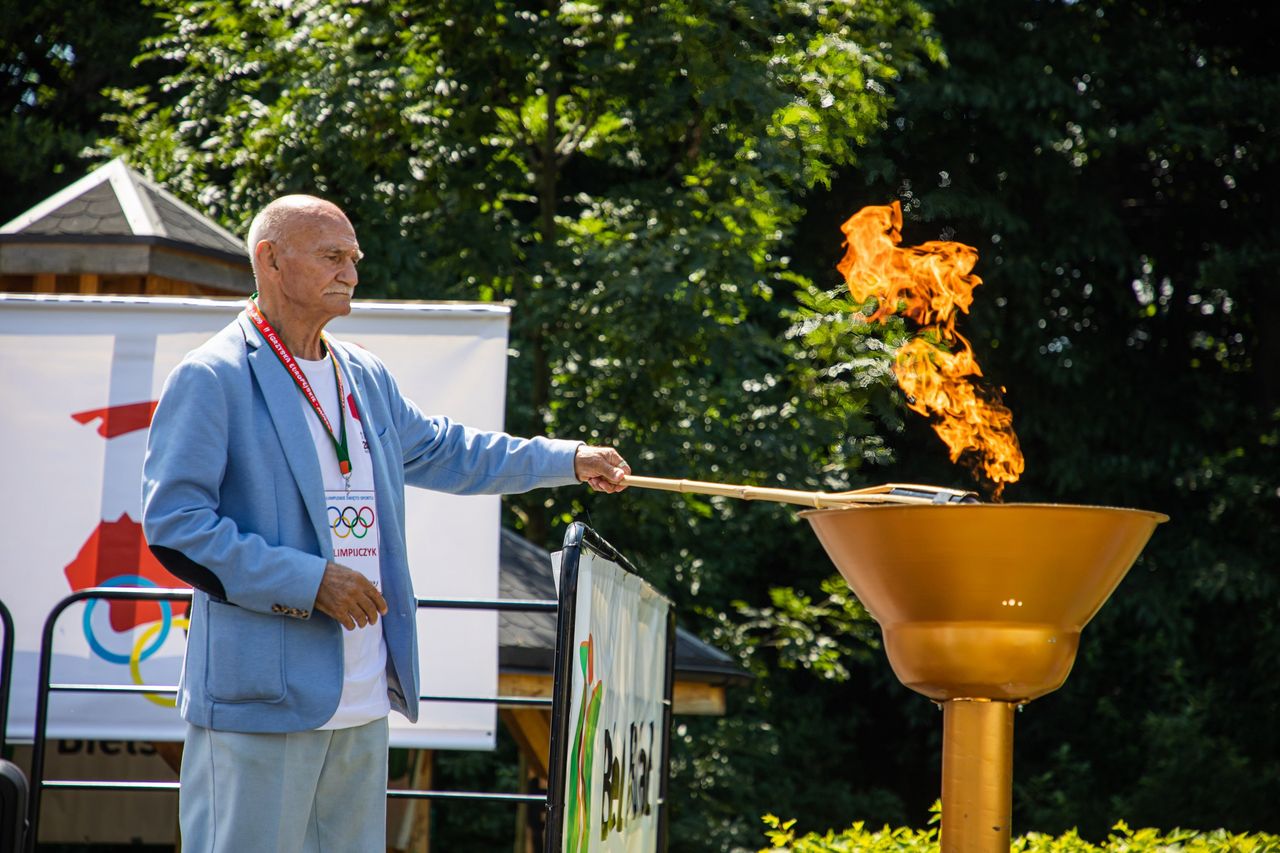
point(820, 500)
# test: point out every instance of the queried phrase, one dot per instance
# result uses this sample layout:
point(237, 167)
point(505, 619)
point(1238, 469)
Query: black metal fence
point(6, 671)
point(578, 538)
point(45, 688)
point(13, 784)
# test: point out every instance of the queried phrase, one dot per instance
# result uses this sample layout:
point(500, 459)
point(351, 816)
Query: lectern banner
point(617, 714)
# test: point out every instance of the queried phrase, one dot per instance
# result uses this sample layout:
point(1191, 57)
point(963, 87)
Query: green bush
point(859, 839)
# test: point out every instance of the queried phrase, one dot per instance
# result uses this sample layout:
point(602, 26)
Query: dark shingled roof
point(526, 641)
point(115, 201)
point(97, 211)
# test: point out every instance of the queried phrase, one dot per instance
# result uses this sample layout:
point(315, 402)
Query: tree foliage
point(55, 59)
point(1112, 162)
point(656, 189)
point(627, 176)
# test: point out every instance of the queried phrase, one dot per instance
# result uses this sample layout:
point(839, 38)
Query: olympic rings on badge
point(350, 521)
point(137, 656)
point(100, 650)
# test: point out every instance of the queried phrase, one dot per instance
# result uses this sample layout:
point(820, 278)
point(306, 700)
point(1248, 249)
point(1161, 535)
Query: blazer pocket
point(245, 655)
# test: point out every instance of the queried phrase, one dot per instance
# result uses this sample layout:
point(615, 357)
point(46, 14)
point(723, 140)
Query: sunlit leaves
point(627, 176)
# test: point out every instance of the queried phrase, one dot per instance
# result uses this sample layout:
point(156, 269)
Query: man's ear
point(266, 255)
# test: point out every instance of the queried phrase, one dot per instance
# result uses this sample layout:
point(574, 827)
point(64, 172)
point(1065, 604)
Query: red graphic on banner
point(118, 420)
point(118, 548)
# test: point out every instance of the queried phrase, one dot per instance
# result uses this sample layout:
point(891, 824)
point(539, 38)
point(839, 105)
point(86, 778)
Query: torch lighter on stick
point(889, 493)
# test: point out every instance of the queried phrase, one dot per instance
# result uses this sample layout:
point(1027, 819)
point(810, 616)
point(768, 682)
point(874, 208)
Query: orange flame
point(929, 284)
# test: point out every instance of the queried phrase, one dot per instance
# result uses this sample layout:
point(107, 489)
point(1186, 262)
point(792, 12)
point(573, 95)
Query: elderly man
point(266, 441)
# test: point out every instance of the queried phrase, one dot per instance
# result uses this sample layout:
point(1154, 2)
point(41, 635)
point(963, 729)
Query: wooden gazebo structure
point(115, 232)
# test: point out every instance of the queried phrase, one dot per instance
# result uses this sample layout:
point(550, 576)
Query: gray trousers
point(301, 792)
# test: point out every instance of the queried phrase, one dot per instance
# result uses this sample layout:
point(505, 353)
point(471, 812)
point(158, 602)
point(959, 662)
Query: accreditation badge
point(353, 528)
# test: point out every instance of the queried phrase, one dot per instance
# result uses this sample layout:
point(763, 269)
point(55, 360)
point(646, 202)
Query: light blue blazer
point(233, 503)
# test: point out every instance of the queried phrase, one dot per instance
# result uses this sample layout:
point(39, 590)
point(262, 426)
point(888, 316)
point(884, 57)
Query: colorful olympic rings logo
point(350, 521)
point(136, 674)
point(106, 654)
point(146, 645)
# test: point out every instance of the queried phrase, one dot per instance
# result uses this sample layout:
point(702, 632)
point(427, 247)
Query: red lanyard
point(300, 379)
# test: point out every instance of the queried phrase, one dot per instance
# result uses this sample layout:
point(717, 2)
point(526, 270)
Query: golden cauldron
point(981, 606)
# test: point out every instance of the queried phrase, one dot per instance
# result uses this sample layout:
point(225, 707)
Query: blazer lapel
point(291, 427)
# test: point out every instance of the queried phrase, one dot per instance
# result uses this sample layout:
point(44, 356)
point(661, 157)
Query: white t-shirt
point(353, 528)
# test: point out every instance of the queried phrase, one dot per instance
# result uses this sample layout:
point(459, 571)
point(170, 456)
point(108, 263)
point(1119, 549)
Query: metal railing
point(6, 672)
point(13, 807)
point(45, 688)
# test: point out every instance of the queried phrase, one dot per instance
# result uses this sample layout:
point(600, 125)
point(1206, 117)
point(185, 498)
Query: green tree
point(637, 182)
point(1112, 163)
point(56, 57)
point(628, 176)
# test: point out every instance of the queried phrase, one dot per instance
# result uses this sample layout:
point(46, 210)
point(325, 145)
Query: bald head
point(304, 254)
point(283, 217)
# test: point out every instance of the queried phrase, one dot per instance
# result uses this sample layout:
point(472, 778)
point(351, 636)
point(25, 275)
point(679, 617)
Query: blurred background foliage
point(657, 189)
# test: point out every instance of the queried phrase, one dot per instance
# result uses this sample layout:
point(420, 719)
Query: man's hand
point(349, 597)
point(600, 467)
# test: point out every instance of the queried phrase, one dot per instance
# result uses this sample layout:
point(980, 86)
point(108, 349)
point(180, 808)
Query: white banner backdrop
point(616, 719)
point(79, 377)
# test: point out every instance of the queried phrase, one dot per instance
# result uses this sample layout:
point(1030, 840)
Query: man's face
point(316, 264)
